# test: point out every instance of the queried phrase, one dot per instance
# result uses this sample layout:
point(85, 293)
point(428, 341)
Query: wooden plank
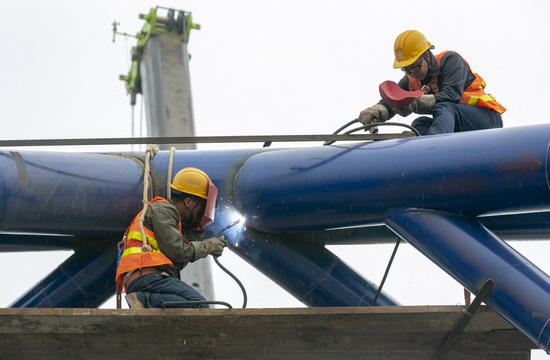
point(305, 333)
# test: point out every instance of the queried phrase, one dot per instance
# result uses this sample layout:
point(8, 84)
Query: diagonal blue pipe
point(308, 271)
point(471, 254)
point(84, 280)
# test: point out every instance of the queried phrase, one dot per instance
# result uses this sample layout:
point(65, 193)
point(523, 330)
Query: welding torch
point(227, 228)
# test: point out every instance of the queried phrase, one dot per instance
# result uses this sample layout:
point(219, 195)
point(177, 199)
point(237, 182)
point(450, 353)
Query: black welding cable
point(170, 304)
point(245, 297)
point(384, 124)
point(234, 278)
point(340, 129)
point(366, 127)
point(225, 269)
point(387, 271)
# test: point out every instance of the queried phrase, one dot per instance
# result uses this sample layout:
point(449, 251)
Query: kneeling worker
point(454, 96)
point(173, 229)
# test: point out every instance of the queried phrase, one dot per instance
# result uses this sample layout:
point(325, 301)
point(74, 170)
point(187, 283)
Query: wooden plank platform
point(405, 332)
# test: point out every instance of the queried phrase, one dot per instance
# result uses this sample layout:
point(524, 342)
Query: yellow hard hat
point(191, 181)
point(408, 47)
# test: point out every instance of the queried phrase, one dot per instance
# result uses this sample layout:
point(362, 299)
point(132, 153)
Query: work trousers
point(155, 289)
point(450, 117)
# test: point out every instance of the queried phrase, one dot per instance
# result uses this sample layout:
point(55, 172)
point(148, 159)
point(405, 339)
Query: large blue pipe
point(287, 190)
point(91, 195)
point(471, 254)
point(88, 195)
point(470, 173)
point(86, 198)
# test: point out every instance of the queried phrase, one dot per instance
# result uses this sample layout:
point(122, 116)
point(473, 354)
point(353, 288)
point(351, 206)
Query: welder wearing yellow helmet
point(174, 228)
point(454, 96)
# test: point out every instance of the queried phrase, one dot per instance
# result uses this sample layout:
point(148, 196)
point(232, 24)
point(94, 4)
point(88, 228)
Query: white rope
point(150, 152)
point(169, 177)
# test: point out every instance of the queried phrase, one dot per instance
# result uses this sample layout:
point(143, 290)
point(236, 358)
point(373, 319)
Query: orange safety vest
point(474, 95)
point(132, 258)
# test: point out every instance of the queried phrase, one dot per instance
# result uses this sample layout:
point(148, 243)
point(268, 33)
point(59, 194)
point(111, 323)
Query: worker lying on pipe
point(453, 95)
point(173, 229)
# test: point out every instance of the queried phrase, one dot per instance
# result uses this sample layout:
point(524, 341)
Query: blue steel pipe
point(473, 173)
point(84, 280)
point(81, 194)
point(287, 190)
point(471, 254)
point(90, 195)
point(308, 271)
point(94, 196)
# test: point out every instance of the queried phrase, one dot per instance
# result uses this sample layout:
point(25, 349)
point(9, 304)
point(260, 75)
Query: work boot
point(133, 301)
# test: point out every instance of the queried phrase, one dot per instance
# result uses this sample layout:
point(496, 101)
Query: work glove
point(422, 105)
point(374, 114)
point(213, 245)
point(194, 235)
point(405, 110)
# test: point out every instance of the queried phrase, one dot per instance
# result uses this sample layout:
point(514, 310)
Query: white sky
point(262, 67)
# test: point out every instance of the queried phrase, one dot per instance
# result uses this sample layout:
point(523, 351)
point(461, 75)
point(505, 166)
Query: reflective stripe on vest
point(132, 257)
point(136, 235)
point(474, 95)
point(135, 250)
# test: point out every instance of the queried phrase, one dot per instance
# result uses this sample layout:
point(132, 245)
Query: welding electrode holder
point(224, 239)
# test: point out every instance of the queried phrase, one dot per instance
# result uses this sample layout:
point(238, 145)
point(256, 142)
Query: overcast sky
point(263, 67)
